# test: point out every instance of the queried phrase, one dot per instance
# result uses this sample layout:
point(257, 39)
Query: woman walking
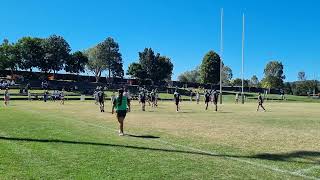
point(122, 105)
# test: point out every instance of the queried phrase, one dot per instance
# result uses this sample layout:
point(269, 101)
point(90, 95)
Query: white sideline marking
point(308, 169)
point(297, 173)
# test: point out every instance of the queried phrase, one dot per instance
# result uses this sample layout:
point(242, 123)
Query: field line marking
point(244, 161)
point(308, 169)
point(233, 158)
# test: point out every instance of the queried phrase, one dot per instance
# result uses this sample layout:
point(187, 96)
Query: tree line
point(53, 54)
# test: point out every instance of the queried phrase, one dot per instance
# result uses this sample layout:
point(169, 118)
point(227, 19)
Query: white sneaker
point(121, 134)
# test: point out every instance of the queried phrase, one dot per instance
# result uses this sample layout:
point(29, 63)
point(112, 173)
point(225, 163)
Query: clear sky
point(184, 30)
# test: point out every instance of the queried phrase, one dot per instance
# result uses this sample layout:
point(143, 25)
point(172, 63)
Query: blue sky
point(184, 30)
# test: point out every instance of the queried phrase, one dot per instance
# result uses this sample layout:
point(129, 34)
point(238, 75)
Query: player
point(198, 97)
point(237, 98)
point(101, 97)
point(62, 97)
point(113, 97)
point(95, 96)
point(148, 97)
point(260, 103)
point(177, 98)
point(45, 95)
point(215, 98)
point(142, 98)
point(6, 97)
point(156, 97)
point(153, 98)
point(122, 105)
point(207, 96)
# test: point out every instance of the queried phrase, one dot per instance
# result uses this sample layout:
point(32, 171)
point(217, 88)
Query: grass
point(75, 141)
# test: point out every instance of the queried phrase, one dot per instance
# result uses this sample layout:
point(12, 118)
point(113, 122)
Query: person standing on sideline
point(260, 103)
point(6, 97)
point(177, 98)
point(121, 105)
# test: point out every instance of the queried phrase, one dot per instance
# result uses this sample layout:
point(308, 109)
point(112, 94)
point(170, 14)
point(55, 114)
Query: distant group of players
point(150, 97)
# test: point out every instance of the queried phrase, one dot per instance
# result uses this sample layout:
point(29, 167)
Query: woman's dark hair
point(120, 97)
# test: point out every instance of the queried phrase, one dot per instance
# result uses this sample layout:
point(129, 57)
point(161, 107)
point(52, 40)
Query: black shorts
point(121, 113)
point(101, 101)
point(177, 102)
point(143, 100)
point(153, 99)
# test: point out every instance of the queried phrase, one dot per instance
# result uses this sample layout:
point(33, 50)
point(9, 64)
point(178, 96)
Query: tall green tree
point(210, 68)
point(109, 53)
point(164, 69)
point(31, 52)
point(155, 67)
point(76, 63)
point(274, 75)
point(9, 56)
point(95, 64)
point(57, 52)
point(135, 70)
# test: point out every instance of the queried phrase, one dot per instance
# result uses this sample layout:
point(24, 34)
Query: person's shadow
point(143, 136)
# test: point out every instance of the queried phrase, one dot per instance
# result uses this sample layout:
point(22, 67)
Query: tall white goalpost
point(242, 69)
point(221, 54)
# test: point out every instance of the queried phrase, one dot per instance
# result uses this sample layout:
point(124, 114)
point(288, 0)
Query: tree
point(190, 76)
point(31, 52)
point(287, 88)
point(95, 64)
point(238, 82)
point(155, 67)
point(108, 52)
point(254, 82)
point(76, 63)
point(210, 68)
point(226, 75)
point(164, 69)
point(135, 70)
point(302, 76)
point(9, 56)
point(273, 75)
point(56, 54)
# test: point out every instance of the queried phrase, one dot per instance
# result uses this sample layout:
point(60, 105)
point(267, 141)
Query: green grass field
point(76, 141)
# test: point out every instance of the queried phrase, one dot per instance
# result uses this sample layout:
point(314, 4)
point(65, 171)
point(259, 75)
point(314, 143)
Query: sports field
point(75, 141)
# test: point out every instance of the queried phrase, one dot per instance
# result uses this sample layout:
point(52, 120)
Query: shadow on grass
point(306, 157)
point(143, 136)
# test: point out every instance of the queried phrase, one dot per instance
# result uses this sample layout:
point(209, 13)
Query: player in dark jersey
point(177, 98)
point(100, 95)
point(260, 103)
point(6, 97)
point(207, 98)
point(142, 98)
point(215, 98)
point(153, 98)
